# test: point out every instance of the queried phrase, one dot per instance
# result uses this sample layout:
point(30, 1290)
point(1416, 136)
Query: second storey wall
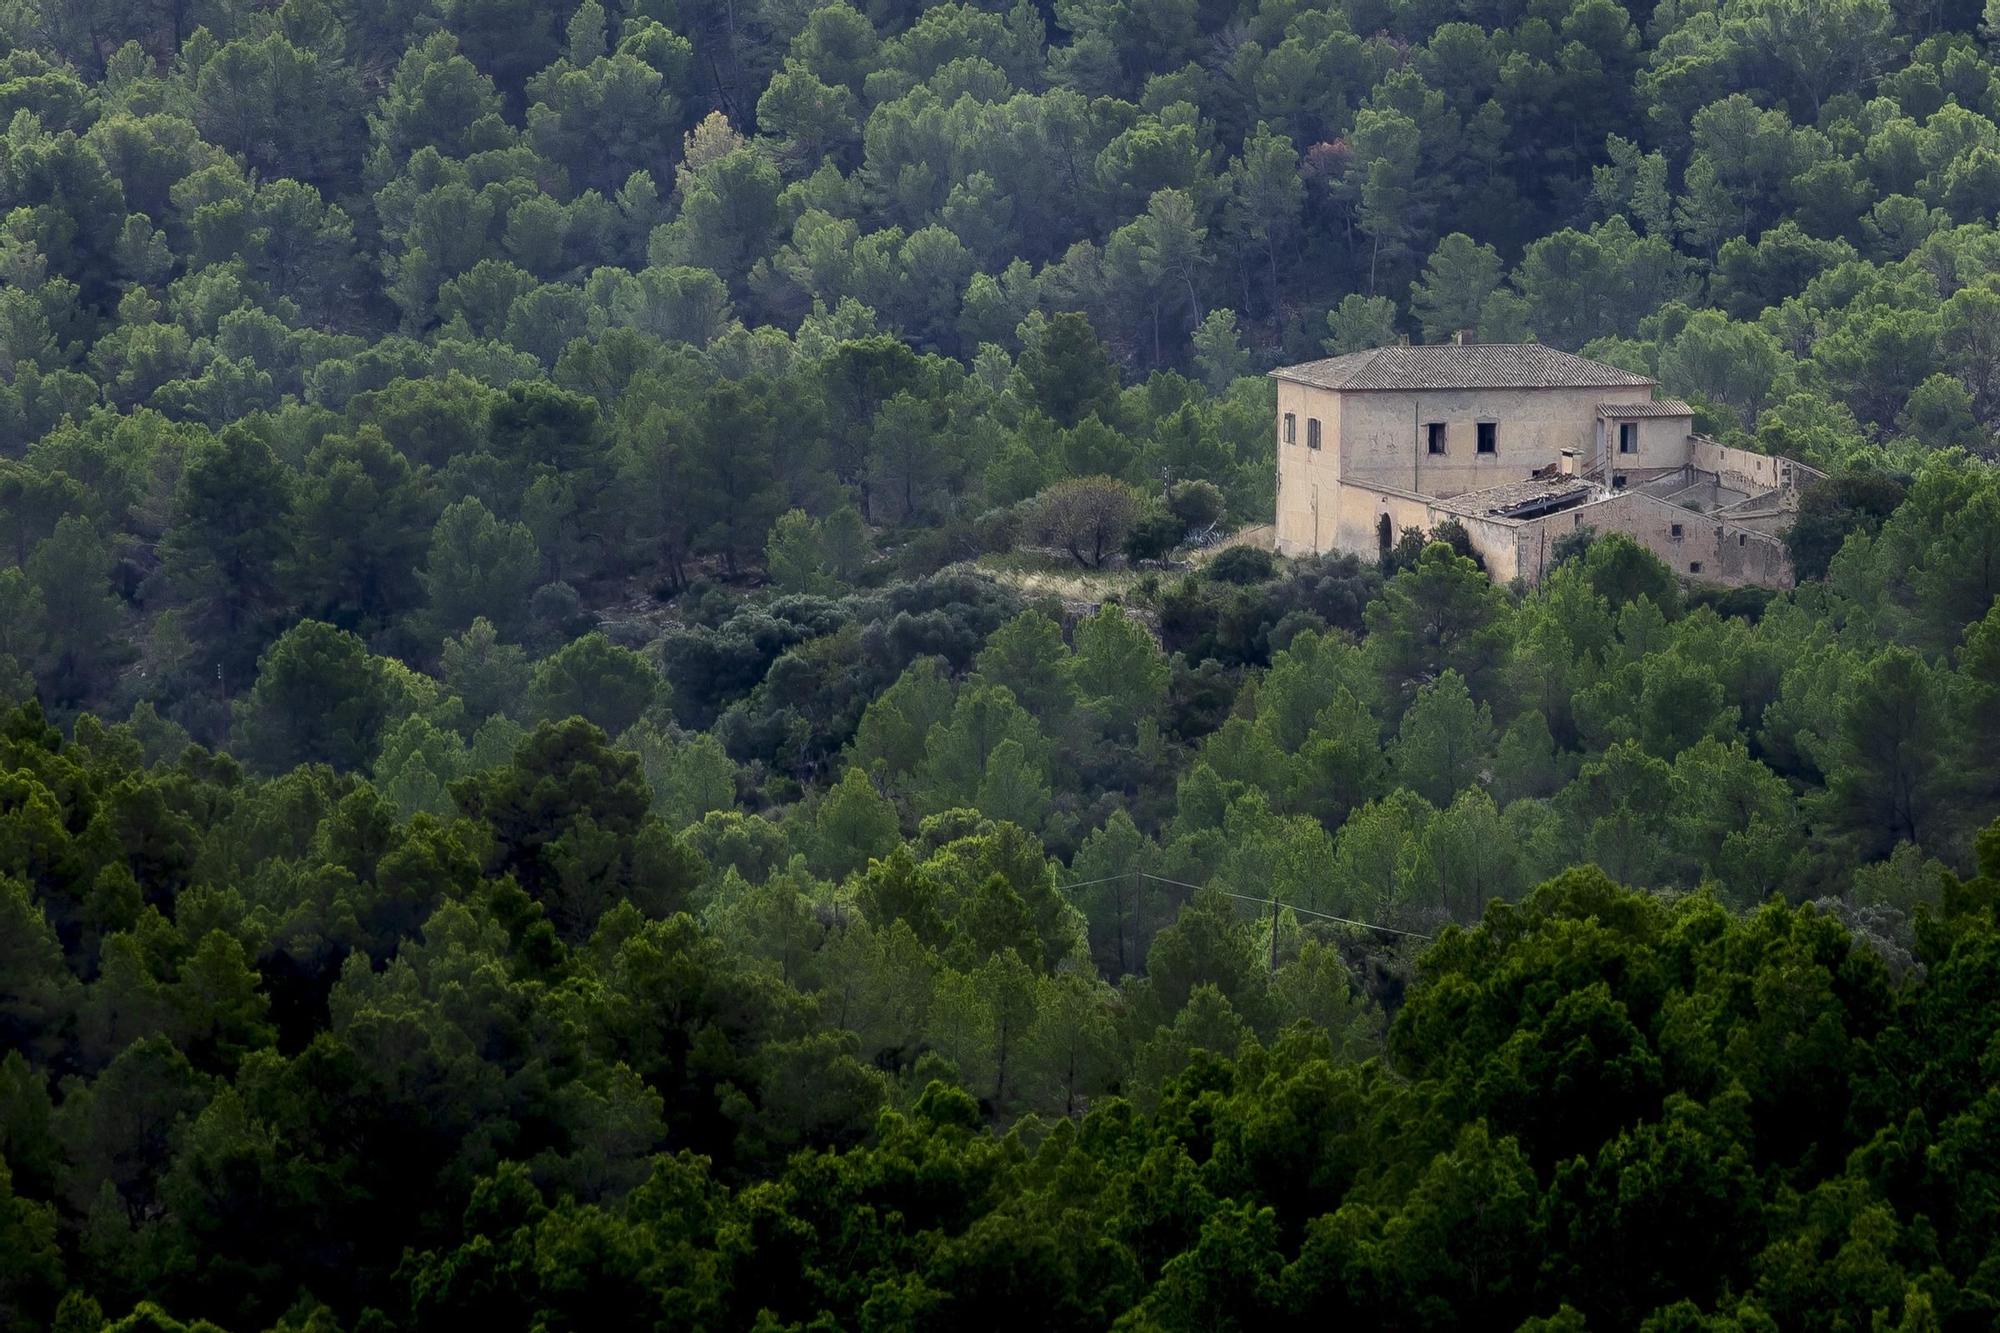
point(1383, 440)
point(1662, 442)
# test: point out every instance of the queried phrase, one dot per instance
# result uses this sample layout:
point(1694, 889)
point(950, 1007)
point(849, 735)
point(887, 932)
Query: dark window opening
point(1434, 436)
point(1291, 428)
point(1677, 531)
point(1618, 481)
point(1489, 437)
point(1312, 432)
point(1628, 437)
point(1694, 566)
point(1740, 540)
point(1385, 534)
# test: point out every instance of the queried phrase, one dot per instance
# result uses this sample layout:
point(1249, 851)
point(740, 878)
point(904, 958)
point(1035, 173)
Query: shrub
point(1243, 565)
point(1153, 537)
point(1195, 503)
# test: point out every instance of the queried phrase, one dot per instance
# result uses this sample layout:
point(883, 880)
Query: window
point(1740, 541)
point(1434, 436)
point(1628, 437)
point(1291, 428)
point(1677, 532)
point(1618, 481)
point(1694, 566)
point(1312, 432)
point(1489, 437)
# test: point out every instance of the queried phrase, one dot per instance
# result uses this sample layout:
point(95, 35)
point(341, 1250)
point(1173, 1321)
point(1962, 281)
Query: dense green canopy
point(277, 1058)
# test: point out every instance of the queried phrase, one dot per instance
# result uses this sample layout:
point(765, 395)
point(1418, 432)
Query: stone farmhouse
point(1521, 444)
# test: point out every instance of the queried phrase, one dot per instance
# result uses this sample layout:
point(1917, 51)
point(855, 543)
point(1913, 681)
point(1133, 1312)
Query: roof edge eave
point(1481, 388)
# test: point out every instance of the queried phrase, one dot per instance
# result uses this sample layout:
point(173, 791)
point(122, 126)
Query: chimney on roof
point(1461, 338)
point(1402, 340)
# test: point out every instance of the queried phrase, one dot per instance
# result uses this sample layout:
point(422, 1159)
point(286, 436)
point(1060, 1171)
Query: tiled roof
point(1659, 407)
point(1456, 366)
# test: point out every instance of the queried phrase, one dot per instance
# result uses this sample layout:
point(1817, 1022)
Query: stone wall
point(1358, 527)
point(1706, 549)
point(1745, 470)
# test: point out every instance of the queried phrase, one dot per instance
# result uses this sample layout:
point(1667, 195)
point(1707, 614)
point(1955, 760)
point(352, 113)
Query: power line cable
point(1106, 879)
point(1251, 898)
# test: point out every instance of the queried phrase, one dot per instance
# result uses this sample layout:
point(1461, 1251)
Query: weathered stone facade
point(1522, 445)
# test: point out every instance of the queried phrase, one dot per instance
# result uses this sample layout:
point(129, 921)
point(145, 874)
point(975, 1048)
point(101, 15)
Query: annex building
point(1521, 444)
